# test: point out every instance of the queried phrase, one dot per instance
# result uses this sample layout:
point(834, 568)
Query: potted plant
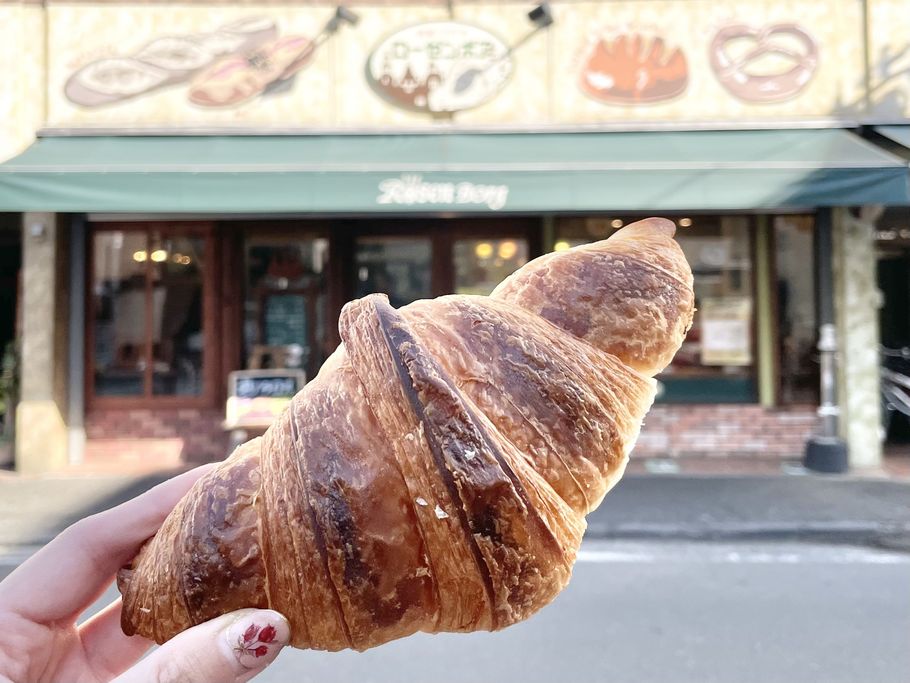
point(9, 396)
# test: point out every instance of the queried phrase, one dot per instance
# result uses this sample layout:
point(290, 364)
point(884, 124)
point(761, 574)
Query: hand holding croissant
point(435, 475)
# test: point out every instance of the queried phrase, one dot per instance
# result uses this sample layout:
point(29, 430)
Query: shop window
point(148, 313)
point(481, 264)
point(716, 361)
point(796, 322)
point(285, 313)
point(397, 266)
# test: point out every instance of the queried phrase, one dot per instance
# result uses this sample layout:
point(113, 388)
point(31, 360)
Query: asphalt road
point(670, 612)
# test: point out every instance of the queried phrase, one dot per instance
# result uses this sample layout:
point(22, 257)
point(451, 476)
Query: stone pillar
point(856, 303)
point(41, 433)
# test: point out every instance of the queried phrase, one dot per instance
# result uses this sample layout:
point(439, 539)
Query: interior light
point(616, 223)
point(561, 245)
point(507, 249)
point(158, 255)
point(685, 222)
point(139, 256)
point(483, 250)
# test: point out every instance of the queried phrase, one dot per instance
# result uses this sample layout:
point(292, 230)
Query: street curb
point(892, 536)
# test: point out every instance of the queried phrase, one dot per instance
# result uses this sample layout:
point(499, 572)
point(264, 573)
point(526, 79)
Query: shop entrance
point(10, 263)
point(892, 241)
point(299, 274)
point(894, 321)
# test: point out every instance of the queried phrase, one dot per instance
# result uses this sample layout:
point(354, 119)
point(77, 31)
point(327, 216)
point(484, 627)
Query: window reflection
point(176, 265)
point(286, 300)
point(397, 266)
point(118, 291)
point(720, 340)
point(716, 360)
point(147, 290)
point(481, 264)
point(796, 323)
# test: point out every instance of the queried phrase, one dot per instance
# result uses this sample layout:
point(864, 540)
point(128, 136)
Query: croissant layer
point(436, 473)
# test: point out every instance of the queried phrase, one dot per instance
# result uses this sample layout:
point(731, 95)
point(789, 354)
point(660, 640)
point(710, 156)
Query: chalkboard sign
point(269, 387)
point(257, 397)
point(285, 319)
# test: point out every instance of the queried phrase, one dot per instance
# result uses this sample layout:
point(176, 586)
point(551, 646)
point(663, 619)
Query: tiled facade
point(172, 437)
point(751, 431)
point(164, 437)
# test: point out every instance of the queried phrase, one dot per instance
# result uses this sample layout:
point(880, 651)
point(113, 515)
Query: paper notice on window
point(726, 331)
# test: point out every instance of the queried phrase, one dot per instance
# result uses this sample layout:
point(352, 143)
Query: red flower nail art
point(249, 634)
point(254, 641)
point(267, 635)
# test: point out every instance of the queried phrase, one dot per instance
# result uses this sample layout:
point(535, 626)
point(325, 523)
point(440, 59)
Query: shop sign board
point(440, 66)
point(726, 333)
point(285, 318)
point(419, 65)
point(257, 397)
point(412, 189)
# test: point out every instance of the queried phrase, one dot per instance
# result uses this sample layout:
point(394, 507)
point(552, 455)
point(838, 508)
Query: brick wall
point(725, 430)
point(169, 436)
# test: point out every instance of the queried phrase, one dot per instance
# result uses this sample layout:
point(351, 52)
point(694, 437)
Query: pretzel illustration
point(734, 73)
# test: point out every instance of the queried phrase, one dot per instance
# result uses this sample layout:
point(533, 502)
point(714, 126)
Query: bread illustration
point(634, 70)
point(241, 77)
point(164, 61)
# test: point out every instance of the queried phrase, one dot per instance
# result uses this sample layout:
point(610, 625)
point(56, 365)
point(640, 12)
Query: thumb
point(229, 649)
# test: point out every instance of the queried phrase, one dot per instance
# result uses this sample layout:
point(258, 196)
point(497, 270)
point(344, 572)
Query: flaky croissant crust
point(436, 473)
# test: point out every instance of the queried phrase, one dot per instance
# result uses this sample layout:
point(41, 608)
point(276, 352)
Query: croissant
point(436, 473)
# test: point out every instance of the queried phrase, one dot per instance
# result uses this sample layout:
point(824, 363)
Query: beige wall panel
point(22, 93)
point(558, 77)
point(889, 59)
point(525, 97)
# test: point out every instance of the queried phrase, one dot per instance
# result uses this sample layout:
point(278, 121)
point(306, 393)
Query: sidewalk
point(726, 508)
point(35, 509)
point(642, 506)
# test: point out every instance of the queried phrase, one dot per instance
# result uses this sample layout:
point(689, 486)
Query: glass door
point(399, 266)
point(483, 262)
point(286, 307)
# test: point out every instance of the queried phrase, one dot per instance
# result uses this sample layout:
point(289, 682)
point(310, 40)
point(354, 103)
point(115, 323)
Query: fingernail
point(257, 636)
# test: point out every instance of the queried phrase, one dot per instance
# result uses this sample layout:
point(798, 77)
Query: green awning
point(453, 172)
point(898, 134)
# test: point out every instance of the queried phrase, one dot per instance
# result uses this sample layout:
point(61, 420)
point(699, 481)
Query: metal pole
point(826, 451)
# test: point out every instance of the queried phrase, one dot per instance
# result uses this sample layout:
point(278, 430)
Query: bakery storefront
point(202, 198)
